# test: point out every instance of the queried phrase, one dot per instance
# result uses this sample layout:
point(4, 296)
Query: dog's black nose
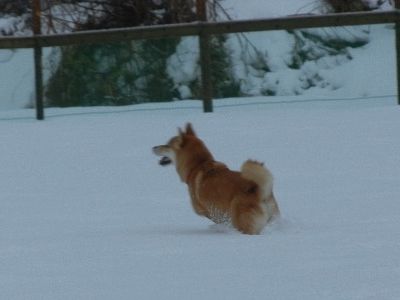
point(164, 161)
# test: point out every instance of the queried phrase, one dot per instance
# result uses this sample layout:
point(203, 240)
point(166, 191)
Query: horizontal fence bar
point(303, 22)
point(197, 28)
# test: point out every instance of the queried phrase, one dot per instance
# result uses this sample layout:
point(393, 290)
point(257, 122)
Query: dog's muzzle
point(164, 161)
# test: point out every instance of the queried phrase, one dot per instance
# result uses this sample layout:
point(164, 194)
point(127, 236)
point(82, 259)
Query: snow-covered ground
point(86, 212)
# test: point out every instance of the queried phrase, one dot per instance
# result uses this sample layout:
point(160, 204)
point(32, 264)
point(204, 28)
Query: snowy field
point(87, 213)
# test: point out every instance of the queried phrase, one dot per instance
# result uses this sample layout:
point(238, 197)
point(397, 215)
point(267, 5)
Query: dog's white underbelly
point(218, 216)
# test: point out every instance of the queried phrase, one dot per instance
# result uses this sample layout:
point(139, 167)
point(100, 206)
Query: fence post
point(205, 59)
point(397, 7)
point(37, 54)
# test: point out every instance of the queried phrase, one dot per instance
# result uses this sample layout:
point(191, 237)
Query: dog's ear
point(180, 132)
point(189, 129)
point(180, 137)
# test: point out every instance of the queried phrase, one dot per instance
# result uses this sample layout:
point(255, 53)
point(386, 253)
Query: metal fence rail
point(202, 29)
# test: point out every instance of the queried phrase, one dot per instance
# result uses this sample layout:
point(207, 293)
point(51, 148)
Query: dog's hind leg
point(247, 218)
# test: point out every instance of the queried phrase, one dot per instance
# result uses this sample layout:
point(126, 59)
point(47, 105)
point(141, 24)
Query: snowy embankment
point(87, 213)
point(352, 72)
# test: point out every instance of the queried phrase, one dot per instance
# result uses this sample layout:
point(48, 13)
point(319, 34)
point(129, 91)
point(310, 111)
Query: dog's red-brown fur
point(244, 199)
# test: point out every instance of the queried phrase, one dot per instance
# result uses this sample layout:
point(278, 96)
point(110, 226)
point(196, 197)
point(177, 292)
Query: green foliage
point(158, 86)
point(126, 73)
point(113, 74)
point(224, 84)
point(222, 79)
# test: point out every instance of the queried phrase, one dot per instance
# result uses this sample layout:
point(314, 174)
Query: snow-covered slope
point(86, 212)
point(365, 71)
point(251, 9)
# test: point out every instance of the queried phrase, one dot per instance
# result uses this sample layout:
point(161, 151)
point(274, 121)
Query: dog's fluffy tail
point(257, 172)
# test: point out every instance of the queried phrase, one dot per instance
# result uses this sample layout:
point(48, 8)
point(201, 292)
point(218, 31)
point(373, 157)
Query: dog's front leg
point(197, 206)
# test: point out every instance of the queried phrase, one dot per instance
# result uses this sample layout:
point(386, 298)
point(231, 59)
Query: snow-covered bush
point(259, 63)
point(111, 74)
point(137, 71)
point(292, 62)
point(275, 62)
point(183, 68)
point(116, 73)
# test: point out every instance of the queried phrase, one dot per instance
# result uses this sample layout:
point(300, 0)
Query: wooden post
point(37, 54)
point(397, 7)
point(205, 59)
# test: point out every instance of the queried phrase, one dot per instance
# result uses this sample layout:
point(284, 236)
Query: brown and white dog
point(243, 199)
